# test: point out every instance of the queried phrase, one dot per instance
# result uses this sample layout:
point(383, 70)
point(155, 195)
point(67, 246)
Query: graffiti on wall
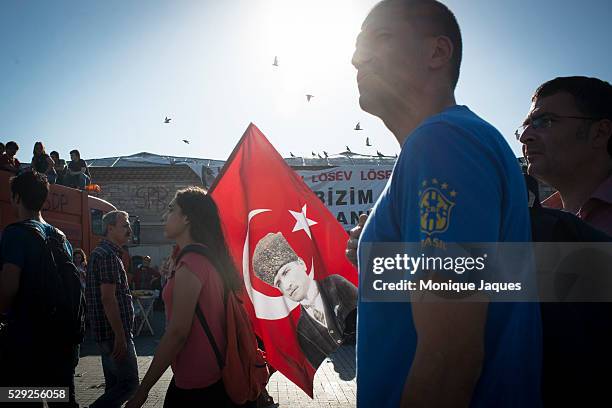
point(149, 199)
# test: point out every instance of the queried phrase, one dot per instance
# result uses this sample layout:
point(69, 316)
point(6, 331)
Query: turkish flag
point(268, 211)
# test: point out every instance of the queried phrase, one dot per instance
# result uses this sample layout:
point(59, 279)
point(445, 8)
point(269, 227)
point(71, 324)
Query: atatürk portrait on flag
point(328, 307)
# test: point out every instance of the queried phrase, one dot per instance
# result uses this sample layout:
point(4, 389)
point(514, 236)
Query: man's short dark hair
point(1, 146)
point(32, 188)
point(54, 153)
point(430, 17)
point(12, 145)
point(593, 96)
point(75, 151)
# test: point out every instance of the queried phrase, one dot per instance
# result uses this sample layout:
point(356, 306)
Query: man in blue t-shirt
point(455, 181)
point(30, 355)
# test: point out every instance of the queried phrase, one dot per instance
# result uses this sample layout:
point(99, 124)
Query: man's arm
point(449, 354)
point(9, 285)
point(111, 310)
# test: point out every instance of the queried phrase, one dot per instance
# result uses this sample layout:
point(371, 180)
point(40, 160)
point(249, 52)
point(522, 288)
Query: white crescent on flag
point(266, 307)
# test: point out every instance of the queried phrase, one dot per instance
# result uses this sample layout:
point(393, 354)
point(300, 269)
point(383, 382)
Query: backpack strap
point(209, 334)
point(27, 225)
point(202, 250)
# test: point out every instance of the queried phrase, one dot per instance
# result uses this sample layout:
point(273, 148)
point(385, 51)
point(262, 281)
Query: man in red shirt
point(8, 161)
point(567, 141)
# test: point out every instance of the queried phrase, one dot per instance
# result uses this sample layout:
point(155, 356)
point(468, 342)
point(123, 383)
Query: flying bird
point(186, 141)
point(275, 63)
point(292, 155)
point(348, 149)
point(379, 154)
point(358, 126)
point(325, 153)
point(313, 154)
point(167, 120)
point(308, 97)
point(368, 141)
point(319, 155)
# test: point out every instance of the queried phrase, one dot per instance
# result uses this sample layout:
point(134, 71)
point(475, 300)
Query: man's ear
point(441, 52)
point(602, 132)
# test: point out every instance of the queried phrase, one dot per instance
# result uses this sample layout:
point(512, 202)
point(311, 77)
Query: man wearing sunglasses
point(567, 141)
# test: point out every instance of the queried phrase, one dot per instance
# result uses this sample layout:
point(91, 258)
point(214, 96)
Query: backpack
point(59, 297)
point(243, 359)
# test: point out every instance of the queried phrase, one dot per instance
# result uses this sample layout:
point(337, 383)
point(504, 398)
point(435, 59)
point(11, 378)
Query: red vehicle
point(73, 211)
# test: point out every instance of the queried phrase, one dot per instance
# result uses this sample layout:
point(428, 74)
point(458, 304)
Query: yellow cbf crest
point(435, 206)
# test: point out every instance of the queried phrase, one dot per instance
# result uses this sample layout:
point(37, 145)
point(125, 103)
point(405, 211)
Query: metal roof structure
point(145, 159)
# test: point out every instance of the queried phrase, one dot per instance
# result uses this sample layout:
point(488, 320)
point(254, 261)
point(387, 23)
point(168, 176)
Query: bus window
point(96, 222)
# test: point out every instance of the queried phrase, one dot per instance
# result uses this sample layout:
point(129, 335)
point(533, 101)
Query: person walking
point(193, 219)
point(111, 312)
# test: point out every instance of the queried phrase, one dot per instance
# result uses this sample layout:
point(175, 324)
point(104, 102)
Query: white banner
point(348, 191)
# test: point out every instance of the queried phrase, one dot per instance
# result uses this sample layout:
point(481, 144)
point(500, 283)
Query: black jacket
point(340, 302)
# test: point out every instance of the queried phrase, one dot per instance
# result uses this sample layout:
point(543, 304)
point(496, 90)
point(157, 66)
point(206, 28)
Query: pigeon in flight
point(325, 154)
point(167, 120)
point(319, 155)
point(313, 154)
point(358, 126)
point(308, 97)
point(348, 149)
point(275, 63)
point(379, 154)
point(368, 141)
point(292, 155)
point(185, 141)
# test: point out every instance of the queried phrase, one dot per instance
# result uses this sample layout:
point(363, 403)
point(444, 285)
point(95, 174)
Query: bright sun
point(314, 40)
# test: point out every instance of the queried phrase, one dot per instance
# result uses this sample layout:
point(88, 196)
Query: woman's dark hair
point(41, 145)
point(205, 228)
point(82, 253)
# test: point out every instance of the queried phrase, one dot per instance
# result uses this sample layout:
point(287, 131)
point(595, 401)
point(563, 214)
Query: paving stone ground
point(334, 383)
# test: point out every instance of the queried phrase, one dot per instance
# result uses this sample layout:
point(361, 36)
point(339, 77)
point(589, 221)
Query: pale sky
point(101, 76)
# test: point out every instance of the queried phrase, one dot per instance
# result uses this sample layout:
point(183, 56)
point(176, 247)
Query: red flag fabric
point(290, 251)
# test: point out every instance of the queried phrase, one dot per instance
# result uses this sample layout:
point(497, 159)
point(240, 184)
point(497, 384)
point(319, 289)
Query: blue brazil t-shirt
point(469, 162)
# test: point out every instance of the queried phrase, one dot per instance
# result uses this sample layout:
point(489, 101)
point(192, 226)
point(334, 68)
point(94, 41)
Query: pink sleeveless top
point(195, 366)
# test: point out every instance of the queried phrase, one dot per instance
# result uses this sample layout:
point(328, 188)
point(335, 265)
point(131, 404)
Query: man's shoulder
point(27, 228)
point(14, 232)
point(334, 280)
point(459, 121)
point(102, 251)
point(335, 285)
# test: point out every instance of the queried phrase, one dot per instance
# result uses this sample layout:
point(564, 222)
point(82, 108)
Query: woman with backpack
point(192, 219)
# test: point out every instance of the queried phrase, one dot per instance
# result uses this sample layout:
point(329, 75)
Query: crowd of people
point(428, 351)
point(75, 174)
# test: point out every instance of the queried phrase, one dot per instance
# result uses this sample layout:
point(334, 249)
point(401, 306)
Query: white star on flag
point(302, 222)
